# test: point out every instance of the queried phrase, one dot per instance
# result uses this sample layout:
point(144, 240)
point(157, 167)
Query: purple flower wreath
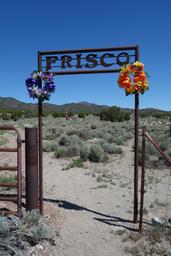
point(34, 82)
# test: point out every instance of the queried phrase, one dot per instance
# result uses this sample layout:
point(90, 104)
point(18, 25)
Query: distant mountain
point(12, 103)
point(152, 110)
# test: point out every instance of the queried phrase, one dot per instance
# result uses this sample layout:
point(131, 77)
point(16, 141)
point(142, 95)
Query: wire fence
point(155, 201)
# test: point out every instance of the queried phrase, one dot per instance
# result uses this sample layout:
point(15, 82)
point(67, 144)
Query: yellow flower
point(124, 69)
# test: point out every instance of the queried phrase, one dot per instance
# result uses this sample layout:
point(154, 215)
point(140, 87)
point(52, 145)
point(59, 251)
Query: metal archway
point(88, 61)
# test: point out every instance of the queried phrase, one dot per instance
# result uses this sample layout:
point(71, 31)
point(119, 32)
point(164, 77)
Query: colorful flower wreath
point(139, 83)
point(36, 90)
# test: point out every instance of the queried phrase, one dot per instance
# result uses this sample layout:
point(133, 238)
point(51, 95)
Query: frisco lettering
point(92, 60)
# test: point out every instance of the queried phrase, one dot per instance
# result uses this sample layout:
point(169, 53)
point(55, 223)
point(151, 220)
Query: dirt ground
point(93, 206)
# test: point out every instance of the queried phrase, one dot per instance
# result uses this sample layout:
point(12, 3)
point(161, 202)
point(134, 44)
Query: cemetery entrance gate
point(89, 61)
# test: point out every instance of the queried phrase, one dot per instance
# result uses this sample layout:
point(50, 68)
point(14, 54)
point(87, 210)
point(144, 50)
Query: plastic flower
point(34, 82)
point(138, 84)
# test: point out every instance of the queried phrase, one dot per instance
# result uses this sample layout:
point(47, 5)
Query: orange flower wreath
point(139, 83)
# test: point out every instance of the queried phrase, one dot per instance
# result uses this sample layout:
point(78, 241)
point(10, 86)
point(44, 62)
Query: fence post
point(31, 163)
point(142, 179)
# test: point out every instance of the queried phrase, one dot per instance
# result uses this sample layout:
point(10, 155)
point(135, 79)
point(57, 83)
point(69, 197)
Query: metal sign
point(86, 61)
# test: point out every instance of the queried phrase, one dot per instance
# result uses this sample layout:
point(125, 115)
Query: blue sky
point(30, 26)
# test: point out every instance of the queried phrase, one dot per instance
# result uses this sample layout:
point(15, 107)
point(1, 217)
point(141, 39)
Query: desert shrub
point(96, 134)
point(150, 150)
point(64, 140)
point(31, 218)
point(74, 139)
point(72, 131)
point(74, 163)
point(111, 139)
point(38, 230)
point(59, 152)
point(41, 232)
point(112, 148)
point(106, 136)
point(164, 142)
point(50, 146)
point(6, 116)
point(128, 135)
point(168, 152)
point(72, 150)
point(81, 115)
point(50, 134)
point(93, 126)
point(73, 146)
point(114, 114)
point(84, 152)
point(96, 153)
point(105, 158)
point(4, 225)
point(56, 114)
point(83, 134)
point(119, 140)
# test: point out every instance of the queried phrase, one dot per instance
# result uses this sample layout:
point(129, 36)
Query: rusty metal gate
point(146, 136)
point(15, 198)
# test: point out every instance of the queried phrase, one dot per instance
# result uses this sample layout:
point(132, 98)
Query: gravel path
point(91, 209)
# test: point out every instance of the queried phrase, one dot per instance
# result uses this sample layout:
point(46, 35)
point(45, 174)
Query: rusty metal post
point(31, 158)
point(142, 179)
point(40, 143)
point(19, 176)
point(136, 149)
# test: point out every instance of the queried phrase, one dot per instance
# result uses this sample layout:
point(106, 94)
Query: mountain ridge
point(7, 103)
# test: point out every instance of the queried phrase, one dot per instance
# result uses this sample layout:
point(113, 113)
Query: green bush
point(64, 140)
point(50, 134)
point(84, 152)
point(81, 115)
point(96, 153)
point(114, 114)
point(74, 163)
point(41, 232)
point(31, 218)
point(4, 225)
point(5, 116)
point(72, 150)
point(83, 134)
point(60, 152)
point(119, 140)
point(111, 148)
point(74, 139)
point(93, 126)
point(168, 152)
point(50, 146)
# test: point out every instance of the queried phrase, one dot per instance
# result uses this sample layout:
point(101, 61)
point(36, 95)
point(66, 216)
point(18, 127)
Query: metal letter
point(49, 61)
point(79, 61)
point(122, 55)
point(91, 58)
point(106, 55)
point(66, 59)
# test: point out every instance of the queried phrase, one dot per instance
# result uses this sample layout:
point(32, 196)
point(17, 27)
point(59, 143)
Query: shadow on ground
point(107, 219)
